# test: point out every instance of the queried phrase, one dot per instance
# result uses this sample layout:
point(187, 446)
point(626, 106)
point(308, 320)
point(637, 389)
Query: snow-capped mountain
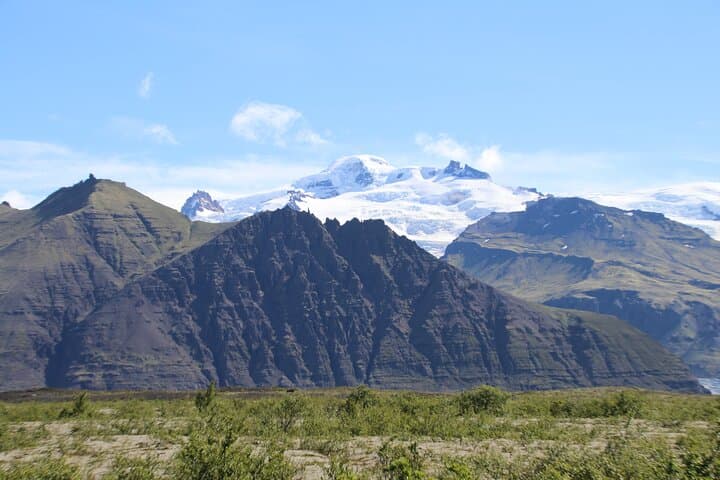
point(696, 204)
point(200, 202)
point(429, 205)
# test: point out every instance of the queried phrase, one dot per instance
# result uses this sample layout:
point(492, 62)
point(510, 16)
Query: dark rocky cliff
point(283, 299)
point(100, 287)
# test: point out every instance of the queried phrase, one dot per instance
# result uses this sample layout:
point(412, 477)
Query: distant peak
point(70, 199)
point(370, 161)
point(564, 205)
point(456, 169)
point(347, 174)
point(294, 199)
point(452, 167)
point(199, 202)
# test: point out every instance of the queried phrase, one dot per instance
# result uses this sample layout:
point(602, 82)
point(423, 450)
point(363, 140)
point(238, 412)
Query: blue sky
point(238, 97)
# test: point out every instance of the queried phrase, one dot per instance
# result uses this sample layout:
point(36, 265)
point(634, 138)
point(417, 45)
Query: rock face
point(283, 299)
point(103, 288)
point(661, 276)
point(74, 250)
point(456, 170)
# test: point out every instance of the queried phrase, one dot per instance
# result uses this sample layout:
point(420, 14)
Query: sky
point(239, 97)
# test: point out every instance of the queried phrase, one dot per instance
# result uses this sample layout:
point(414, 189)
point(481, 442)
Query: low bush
point(204, 399)
point(484, 399)
point(41, 469)
point(359, 399)
point(398, 462)
point(289, 411)
point(339, 469)
point(80, 407)
point(125, 468)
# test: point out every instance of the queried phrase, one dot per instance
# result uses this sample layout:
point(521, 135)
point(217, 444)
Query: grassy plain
point(359, 434)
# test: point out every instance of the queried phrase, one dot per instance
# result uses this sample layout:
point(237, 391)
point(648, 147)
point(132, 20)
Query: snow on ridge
point(429, 205)
point(696, 204)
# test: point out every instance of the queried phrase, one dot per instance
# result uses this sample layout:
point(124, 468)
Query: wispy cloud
point(444, 146)
point(24, 148)
point(146, 84)
point(160, 133)
point(17, 199)
point(490, 159)
point(29, 171)
point(309, 137)
point(140, 129)
point(273, 123)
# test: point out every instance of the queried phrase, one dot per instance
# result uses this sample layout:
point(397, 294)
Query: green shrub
point(289, 411)
point(398, 462)
point(483, 399)
point(41, 469)
point(204, 399)
point(621, 459)
point(624, 404)
point(125, 468)
point(211, 457)
point(457, 469)
point(562, 408)
point(359, 399)
point(339, 469)
point(80, 407)
point(700, 454)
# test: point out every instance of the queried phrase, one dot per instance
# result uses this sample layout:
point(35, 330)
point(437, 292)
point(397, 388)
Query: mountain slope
point(429, 205)
point(661, 276)
point(283, 299)
point(75, 249)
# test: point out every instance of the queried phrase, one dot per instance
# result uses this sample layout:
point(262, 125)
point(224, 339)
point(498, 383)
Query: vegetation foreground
point(360, 433)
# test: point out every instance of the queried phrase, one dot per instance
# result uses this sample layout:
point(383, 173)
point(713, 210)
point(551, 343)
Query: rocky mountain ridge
point(102, 288)
point(427, 204)
point(659, 275)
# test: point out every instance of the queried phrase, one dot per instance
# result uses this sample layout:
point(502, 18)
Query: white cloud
point(444, 146)
point(146, 85)
point(17, 199)
point(272, 123)
point(33, 170)
point(23, 148)
point(138, 128)
point(160, 133)
point(490, 159)
point(309, 137)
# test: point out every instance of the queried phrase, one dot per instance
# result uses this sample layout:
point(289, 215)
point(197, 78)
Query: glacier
point(429, 205)
point(696, 204)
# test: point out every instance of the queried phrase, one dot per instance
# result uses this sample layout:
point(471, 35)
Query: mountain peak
point(68, 199)
point(430, 205)
point(658, 274)
point(347, 174)
point(551, 208)
point(456, 169)
point(338, 305)
point(199, 202)
point(560, 204)
point(366, 160)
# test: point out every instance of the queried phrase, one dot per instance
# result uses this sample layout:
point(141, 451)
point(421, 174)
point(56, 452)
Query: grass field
point(359, 433)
